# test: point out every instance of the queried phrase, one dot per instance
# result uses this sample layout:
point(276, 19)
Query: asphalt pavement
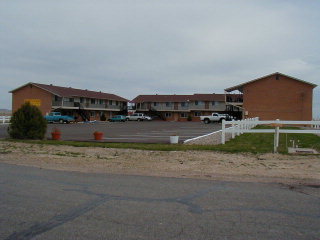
point(46, 204)
point(132, 131)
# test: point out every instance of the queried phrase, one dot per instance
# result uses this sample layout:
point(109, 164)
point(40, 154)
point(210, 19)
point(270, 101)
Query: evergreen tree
point(27, 123)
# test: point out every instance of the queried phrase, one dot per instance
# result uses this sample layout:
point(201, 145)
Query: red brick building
point(180, 107)
point(83, 104)
point(275, 96)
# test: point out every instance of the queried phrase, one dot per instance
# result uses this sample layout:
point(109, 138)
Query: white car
point(138, 117)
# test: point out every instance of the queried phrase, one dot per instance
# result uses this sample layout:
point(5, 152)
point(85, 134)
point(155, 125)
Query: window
point(101, 101)
point(81, 100)
point(168, 115)
point(168, 104)
point(155, 104)
point(215, 103)
point(92, 114)
point(71, 100)
point(183, 115)
point(56, 98)
point(117, 103)
point(196, 103)
point(93, 101)
point(110, 102)
point(197, 114)
point(184, 104)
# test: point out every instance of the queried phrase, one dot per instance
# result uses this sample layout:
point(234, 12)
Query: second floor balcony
point(179, 107)
point(89, 106)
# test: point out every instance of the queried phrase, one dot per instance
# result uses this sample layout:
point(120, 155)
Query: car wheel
point(206, 121)
point(61, 121)
point(139, 119)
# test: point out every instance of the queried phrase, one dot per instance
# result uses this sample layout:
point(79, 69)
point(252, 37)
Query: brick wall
point(31, 92)
point(283, 98)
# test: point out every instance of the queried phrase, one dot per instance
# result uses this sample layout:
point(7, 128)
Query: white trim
point(191, 139)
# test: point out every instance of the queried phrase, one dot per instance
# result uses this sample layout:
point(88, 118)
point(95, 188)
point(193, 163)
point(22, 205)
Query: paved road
point(43, 204)
point(147, 132)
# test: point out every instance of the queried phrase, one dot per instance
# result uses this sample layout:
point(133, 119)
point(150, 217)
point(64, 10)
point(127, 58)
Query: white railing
point(246, 125)
point(316, 126)
point(4, 119)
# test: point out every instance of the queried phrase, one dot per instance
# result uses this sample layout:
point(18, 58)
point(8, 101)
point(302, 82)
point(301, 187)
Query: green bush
point(27, 123)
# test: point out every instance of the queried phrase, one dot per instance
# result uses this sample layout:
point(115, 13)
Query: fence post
point(233, 129)
point(276, 137)
point(238, 128)
point(223, 132)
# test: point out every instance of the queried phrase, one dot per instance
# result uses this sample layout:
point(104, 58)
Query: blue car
point(57, 117)
point(117, 118)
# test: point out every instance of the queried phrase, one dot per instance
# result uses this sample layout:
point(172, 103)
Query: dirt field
point(191, 164)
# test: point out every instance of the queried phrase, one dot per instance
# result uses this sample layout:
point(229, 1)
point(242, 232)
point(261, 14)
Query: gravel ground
point(191, 164)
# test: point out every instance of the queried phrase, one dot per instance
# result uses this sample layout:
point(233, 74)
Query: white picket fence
point(246, 125)
point(4, 119)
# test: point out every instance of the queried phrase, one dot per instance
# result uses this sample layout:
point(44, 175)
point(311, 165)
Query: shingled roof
point(74, 92)
point(240, 86)
point(178, 98)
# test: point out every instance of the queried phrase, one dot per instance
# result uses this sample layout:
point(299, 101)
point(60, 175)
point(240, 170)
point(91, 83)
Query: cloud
point(136, 47)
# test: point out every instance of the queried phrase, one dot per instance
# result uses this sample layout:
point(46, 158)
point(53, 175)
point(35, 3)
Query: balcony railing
point(86, 105)
point(219, 107)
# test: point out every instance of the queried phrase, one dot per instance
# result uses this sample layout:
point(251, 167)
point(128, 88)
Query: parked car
point(117, 118)
point(138, 117)
point(215, 117)
point(57, 117)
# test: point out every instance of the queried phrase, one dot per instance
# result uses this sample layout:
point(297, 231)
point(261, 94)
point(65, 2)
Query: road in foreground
point(47, 204)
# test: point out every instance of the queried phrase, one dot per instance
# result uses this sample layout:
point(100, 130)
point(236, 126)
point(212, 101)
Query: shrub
point(189, 118)
point(27, 123)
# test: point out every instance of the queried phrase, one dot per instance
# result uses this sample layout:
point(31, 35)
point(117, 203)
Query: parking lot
point(143, 132)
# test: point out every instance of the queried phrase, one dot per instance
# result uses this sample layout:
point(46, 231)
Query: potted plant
point(174, 139)
point(98, 135)
point(56, 134)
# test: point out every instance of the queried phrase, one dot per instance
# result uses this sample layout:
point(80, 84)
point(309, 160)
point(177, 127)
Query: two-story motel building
point(83, 104)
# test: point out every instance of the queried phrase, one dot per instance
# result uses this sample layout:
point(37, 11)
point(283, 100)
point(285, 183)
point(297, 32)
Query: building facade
point(275, 96)
point(84, 105)
point(180, 107)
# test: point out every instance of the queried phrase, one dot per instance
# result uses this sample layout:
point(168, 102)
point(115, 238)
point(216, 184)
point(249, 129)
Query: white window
point(168, 115)
point(183, 115)
point(197, 114)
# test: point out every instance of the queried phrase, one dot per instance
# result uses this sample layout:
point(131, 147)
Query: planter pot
point(174, 139)
point(56, 135)
point(98, 135)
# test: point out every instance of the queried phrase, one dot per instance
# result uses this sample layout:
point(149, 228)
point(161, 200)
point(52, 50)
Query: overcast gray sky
point(149, 46)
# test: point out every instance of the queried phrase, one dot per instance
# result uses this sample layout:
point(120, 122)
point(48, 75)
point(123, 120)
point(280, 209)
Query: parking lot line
point(148, 136)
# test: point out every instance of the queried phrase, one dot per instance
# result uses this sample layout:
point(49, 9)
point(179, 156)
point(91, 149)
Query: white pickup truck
point(138, 117)
point(215, 117)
